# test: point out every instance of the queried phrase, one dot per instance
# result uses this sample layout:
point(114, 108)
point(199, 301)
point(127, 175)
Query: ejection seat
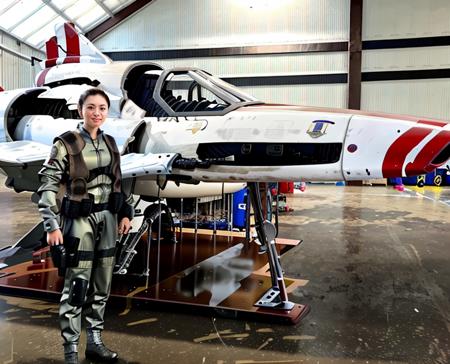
point(142, 94)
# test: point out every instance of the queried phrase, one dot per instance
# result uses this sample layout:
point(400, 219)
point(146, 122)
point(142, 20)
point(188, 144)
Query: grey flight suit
point(97, 233)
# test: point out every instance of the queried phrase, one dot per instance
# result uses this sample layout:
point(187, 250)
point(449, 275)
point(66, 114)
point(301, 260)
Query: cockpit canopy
point(186, 92)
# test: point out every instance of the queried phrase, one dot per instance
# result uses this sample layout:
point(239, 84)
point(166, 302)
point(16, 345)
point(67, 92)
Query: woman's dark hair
point(92, 92)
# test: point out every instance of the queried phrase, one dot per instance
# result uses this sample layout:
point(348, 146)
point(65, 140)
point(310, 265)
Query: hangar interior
point(370, 261)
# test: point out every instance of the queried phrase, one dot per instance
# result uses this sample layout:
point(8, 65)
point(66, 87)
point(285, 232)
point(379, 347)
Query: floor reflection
point(221, 275)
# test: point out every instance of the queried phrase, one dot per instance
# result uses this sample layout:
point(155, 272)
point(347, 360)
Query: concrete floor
point(378, 265)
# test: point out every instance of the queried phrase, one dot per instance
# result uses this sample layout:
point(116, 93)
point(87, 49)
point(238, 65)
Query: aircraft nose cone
point(417, 151)
point(385, 146)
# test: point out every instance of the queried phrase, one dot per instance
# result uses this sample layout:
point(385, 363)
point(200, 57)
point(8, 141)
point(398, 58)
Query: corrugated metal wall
point(332, 95)
point(426, 98)
point(387, 19)
point(274, 64)
point(171, 24)
point(16, 72)
point(406, 58)
point(187, 24)
point(406, 19)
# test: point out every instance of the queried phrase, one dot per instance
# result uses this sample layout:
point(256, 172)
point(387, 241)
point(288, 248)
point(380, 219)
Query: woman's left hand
point(124, 226)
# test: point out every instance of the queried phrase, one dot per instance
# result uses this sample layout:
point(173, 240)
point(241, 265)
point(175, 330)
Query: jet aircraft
point(183, 133)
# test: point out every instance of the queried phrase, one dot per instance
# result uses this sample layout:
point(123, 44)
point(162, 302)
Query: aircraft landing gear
point(127, 243)
point(276, 297)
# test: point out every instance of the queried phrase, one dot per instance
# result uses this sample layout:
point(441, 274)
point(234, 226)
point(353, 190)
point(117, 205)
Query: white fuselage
point(372, 135)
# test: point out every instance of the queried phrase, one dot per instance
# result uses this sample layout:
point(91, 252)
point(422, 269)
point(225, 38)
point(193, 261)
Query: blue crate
point(409, 181)
point(240, 208)
point(445, 175)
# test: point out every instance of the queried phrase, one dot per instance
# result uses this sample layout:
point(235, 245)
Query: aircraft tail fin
point(69, 46)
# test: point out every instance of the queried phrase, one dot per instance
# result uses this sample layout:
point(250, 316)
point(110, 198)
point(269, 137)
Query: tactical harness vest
point(77, 202)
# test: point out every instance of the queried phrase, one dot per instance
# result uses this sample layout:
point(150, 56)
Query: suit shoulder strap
point(73, 142)
point(115, 162)
point(111, 143)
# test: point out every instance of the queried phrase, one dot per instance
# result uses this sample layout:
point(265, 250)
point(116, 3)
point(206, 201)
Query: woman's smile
point(94, 113)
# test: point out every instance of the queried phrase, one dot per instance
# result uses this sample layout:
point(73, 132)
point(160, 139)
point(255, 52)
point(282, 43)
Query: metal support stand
point(276, 297)
point(214, 218)
point(247, 216)
point(181, 219)
point(277, 207)
point(159, 237)
point(230, 212)
point(196, 215)
point(146, 272)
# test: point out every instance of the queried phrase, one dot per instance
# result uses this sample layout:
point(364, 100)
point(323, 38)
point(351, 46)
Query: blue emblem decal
point(318, 128)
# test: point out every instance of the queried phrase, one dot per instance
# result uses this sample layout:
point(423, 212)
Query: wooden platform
point(209, 273)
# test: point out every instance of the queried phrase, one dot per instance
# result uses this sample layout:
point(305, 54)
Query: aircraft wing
point(21, 161)
point(22, 152)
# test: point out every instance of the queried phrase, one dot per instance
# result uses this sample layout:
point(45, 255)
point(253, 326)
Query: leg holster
point(71, 244)
point(77, 292)
point(59, 258)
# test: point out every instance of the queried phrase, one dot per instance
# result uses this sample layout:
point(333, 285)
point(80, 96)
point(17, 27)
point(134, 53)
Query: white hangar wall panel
point(332, 95)
point(387, 19)
point(424, 98)
point(410, 84)
point(16, 72)
point(406, 58)
point(200, 24)
point(261, 65)
point(180, 24)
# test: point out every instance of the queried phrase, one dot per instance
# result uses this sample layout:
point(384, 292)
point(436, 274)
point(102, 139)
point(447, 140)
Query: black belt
point(97, 207)
point(89, 255)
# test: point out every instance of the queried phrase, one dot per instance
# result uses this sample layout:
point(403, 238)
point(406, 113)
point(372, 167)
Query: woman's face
point(94, 112)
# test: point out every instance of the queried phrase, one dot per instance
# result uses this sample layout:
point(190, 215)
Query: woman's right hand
point(54, 237)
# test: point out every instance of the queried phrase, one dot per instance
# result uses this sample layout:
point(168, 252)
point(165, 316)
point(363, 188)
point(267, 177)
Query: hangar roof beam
point(32, 21)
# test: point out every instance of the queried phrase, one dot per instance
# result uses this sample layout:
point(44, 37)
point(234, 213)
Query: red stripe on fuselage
point(74, 59)
point(397, 152)
point(41, 79)
point(72, 42)
point(422, 163)
point(434, 123)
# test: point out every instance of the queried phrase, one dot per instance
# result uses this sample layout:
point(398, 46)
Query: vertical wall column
point(354, 50)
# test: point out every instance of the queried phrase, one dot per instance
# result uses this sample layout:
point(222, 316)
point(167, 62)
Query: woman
point(82, 229)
